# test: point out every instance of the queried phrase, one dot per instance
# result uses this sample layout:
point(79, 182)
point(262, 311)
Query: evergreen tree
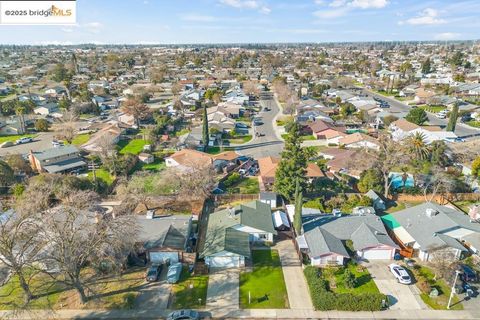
point(297, 218)
point(205, 129)
point(292, 166)
point(427, 66)
point(452, 121)
point(417, 116)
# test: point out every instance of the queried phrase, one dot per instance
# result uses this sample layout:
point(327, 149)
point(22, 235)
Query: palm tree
point(418, 147)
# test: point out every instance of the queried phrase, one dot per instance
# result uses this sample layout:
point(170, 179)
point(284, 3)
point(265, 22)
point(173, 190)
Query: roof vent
point(231, 212)
point(150, 214)
point(431, 212)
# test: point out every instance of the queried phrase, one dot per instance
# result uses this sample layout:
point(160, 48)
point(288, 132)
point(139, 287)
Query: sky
point(256, 21)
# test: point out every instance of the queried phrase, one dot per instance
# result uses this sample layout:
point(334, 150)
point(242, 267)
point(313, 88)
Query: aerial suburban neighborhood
point(320, 180)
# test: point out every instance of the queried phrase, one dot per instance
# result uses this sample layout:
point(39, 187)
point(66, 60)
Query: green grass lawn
point(157, 165)
point(102, 174)
point(86, 116)
point(186, 297)
point(433, 109)
point(111, 292)
point(15, 137)
point(217, 150)
point(245, 186)
point(265, 283)
point(12, 296)
point(284, 120)
point(465, 205)
point(386, 94)
point(182, 132)
point(440, 302)
point(134, 146)
point(473, 123)
point(364, 282)
point(81, 139)
point(401, 205)
point(241, 139)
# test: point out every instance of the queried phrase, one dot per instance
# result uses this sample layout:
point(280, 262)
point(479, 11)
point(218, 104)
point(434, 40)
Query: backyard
point(265, 284)
point(244, 186)
point(103, 175)
point(81, 139)
point(134, 146)
point(189, 290)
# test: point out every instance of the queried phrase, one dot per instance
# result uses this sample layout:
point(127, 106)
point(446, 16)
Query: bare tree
point(444, 263)
point(197, 181)
point(67, 129)
point(440, 182)
point(19, 248)
point(137, 109)
point(78, 235)
point(251, 88)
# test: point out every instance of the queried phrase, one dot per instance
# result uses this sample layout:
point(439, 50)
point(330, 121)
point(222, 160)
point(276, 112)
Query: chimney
point(431, 212)
point(150, 214)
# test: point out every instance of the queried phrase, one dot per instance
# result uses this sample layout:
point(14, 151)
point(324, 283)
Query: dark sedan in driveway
point(153, 273)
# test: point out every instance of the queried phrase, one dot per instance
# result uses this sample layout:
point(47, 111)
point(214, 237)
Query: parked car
point(441, 115)
point(153, 273)
point(57, 143)
point(400, 273)
point(257, 122)
point(466, 118)
point(184, 314)
point(174, 271)
point(468, 274)
point(24, 140)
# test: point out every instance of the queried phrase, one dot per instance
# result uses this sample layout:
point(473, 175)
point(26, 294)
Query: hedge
point(323, 299)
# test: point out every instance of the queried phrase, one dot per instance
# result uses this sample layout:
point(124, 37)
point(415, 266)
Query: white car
point(23, 140)
point(400, 273)
point(441, 115)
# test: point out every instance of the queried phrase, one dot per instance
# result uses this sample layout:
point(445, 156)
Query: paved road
point(396, 106)
point(269, 144)
point(223, 291)
point(402, 297)
point(298, 294)
point(41, 142)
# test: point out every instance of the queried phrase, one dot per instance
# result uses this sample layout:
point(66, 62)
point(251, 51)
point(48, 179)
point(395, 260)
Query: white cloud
point(342, 7)
point(319, 2)
point(447, 36)
point(428, 16)
point(367, 4)
point(197, 17)
point(331, 14)
point(247, 4)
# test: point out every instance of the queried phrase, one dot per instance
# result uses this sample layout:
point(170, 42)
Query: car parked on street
point(153, 272)
point(184, 315)
point(400, 274)
point(23, 140)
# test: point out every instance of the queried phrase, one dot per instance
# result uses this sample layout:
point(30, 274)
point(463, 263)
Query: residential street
point(461, 130)
point(41, 142)
point(269, 144)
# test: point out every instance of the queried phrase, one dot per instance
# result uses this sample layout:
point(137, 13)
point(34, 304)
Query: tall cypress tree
point(452, 121)
point(297, 218)
point(205, 129)
point(292, 166)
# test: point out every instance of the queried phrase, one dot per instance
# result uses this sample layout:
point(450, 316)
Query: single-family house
point(325, 236)
point(431, 229)
point(359, 140)
point(230, 232)
point(57, 160)
point(146, 157)
point(188, 158)
point(110, 133)
point(46, 109)
point(401, 129)
point(329, 132)
point(164, 238)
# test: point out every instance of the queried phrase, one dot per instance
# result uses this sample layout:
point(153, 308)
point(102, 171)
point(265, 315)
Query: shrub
point(129, 300)
point(349, 279)
point(323, 299)
point(232, 179)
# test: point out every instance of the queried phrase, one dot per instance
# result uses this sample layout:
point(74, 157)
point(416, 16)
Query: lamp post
point(457, 272)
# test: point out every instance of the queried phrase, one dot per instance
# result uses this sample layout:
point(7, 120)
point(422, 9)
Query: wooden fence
point(439, 198)
point(225, 198)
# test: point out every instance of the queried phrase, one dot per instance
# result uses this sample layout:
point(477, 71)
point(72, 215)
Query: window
point(262, 236)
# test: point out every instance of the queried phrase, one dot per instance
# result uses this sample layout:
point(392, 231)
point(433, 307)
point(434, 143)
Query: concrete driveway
point(223, 289)
point(155, 295)
point(402, 297)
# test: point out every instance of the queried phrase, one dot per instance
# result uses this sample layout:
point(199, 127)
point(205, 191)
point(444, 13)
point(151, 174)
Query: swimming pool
point(350, 131)
point(396, 179)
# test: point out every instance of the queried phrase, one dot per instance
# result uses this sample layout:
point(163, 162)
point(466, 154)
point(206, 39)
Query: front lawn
point(134, 146)
point(473, 123)
point(245, 186)
point(265, 283)
point(157, 165)
point(426, 275)
point(241, 139)
point(433, 109)
point(81, 139)
point(109, 292)
point(189, 289)
point(363, 284)
point(15, 137)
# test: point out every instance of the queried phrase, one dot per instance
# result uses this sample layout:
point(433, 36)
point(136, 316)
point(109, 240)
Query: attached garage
point(162, 256)
point(377, 254)
point(225, 262)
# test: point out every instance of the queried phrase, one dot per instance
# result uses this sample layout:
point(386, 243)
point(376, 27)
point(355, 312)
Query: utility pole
point(457, 272)
point(92, 166)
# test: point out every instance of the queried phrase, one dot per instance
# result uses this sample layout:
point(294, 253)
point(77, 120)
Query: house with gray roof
point(432, 229)
point(61, 159)
point(325, 237)
point(230, 232)
point(164, 238)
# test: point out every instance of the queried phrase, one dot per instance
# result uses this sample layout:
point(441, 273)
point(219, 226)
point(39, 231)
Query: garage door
point(224, 262)
point(161, 257)
point(377, 254)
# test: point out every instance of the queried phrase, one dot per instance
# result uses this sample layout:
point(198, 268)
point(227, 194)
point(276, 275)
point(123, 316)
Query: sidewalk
point(244, 314)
